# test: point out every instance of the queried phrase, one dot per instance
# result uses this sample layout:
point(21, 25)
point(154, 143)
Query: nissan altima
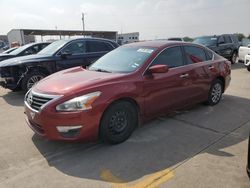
point(131, 84)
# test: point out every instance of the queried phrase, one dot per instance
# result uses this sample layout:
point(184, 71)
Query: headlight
point(79, 103)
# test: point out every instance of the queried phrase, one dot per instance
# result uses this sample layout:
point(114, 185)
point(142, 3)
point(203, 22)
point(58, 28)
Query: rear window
point(194, 54)
point(97, 46)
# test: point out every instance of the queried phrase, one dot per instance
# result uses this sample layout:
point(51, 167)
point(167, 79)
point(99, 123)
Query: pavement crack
point(196, 125)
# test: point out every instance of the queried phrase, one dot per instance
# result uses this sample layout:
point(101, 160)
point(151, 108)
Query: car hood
point(5, 56)
point(72, 80)
point(24, 59)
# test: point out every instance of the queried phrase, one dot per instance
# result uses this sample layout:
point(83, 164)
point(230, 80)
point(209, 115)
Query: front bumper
point(247, 60)
point(45, 123)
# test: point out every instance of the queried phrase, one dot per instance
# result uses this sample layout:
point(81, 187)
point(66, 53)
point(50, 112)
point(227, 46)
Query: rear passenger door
point(199, 67)
point(96, 49)
point(225, 46)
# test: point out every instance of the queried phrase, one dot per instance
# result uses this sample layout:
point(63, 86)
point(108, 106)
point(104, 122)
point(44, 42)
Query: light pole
point(83, 24)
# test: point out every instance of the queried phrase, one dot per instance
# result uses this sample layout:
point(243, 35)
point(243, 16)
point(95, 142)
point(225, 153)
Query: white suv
point(247, 62)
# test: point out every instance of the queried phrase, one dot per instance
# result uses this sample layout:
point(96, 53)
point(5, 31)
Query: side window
point(43, 46)
point(227, 39)
point(30, 50)
point(194, 54)
point(78, 47)
point(97, 46)
point(221, 40)
point(172, 57)
point(210, 55)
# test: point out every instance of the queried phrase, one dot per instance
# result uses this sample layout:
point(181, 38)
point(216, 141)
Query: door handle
point(210, 67)
point(184, 75)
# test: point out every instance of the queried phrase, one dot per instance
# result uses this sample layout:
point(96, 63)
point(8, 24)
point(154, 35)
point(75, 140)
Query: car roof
point(92, 38)
point(156, 43)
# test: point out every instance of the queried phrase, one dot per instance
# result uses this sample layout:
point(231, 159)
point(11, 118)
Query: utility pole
point(83, 23)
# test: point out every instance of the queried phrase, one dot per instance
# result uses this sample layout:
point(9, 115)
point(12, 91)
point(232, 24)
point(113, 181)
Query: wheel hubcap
point(33, 80)
point(118, 122)
point(216, 92)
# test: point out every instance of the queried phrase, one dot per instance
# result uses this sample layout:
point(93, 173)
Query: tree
point(188, 39)
point(240, 36)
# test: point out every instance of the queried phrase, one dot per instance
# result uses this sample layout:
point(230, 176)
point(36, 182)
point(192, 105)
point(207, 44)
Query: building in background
point(126, 38)
point(25, 36)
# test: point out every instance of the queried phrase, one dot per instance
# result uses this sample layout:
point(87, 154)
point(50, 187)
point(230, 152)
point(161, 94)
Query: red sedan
point(131, 84)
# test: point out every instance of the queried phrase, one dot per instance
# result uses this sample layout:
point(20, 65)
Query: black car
point(27, 49)
point(9, 50)
point(248, 160)
point(226, 45)
point(24, 72)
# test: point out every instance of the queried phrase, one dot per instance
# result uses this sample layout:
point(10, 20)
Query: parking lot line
point(150, 181)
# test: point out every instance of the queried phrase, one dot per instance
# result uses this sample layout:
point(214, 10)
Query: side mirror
point(158, 69)
point(65, 54)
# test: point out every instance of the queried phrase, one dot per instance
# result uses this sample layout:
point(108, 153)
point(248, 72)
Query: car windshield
point(245, 42)
point(20, 49)
point(206, 41)
point(122, 60)
point(53, 47)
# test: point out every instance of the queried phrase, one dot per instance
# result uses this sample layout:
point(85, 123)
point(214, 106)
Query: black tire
point(215, 92)
point(234, 57)
point(118, 122)
point(248, 68)
point(30, 78)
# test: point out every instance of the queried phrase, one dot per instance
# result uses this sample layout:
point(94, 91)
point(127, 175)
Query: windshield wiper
point(100, 70)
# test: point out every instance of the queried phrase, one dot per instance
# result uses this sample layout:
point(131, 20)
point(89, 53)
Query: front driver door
point(72, 55)
point(166, 91)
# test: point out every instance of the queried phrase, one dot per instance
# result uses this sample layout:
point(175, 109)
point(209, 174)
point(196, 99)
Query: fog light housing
point(69, 131)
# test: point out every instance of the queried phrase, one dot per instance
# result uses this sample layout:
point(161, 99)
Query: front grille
point(36, 100)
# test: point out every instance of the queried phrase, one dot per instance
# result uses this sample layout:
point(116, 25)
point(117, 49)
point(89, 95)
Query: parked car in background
point(176, 39)
point(9, 50)
point(24, 72)
point(247, 62)
point(244, 49)
point(226, 45)
point(27, 49)
point(3, 46)
point(138, 80)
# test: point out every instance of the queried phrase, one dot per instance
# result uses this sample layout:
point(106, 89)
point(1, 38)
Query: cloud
point(57, 10)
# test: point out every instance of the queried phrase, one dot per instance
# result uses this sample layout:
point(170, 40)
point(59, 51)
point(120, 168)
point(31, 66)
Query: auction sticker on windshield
point(145, 50)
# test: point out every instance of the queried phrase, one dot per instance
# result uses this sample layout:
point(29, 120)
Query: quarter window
point(75, 48)
point(194, 54)
point(96, 46)
point(172, 57)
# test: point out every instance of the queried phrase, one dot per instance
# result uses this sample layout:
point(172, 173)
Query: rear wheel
point(234, 58)
point(31, 79)
point(215, 92)
point(248, 68)
point(118, 122)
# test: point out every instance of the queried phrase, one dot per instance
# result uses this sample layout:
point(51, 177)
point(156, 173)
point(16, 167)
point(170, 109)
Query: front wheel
point(31, 79)
point(118, 122)
point(215, 92)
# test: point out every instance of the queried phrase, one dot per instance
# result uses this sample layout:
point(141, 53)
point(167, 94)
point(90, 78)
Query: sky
point(154, 19)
